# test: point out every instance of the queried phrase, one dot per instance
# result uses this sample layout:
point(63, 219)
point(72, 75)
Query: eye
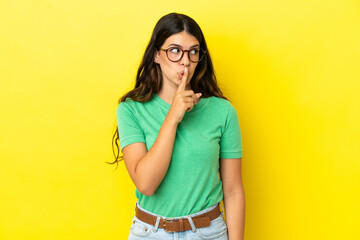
point(175, 50)
point(194, 51)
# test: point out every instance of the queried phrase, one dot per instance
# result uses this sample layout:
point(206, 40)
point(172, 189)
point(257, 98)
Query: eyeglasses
point(175, 54)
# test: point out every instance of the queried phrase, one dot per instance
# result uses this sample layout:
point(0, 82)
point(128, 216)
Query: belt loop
point(156, 224)
point(221, 207)
point(181, 225)
point(135, 207)
point(192, 224)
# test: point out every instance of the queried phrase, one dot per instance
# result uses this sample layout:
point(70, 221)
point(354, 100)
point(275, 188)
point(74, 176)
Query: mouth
point(181, 74)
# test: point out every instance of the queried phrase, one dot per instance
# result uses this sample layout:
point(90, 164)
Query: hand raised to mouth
point(184, 100)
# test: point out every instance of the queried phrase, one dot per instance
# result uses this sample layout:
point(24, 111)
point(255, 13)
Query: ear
point(156, 56)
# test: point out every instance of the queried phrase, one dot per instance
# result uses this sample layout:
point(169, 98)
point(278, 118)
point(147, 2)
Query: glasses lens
point(174, 54)
point(196, 55)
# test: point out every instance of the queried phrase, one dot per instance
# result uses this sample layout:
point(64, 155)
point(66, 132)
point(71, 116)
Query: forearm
point(153, 166)
point(235, 215)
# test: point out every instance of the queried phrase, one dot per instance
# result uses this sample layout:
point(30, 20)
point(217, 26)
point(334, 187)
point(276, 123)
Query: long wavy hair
point(149, 75)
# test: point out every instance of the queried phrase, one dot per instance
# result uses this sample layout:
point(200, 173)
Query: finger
point(190, 108)
point(190, 99)
point(188, 93)
point(191, 93)
point(196, 97)
point(183, 81)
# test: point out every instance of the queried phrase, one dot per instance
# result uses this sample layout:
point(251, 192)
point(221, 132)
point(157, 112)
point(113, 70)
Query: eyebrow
point(177, 45)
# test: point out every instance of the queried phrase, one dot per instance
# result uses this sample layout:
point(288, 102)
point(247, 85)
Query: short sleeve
point(128, 125)
point(231, 141)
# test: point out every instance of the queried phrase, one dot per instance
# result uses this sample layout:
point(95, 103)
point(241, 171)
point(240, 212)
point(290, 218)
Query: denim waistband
point(175, 218)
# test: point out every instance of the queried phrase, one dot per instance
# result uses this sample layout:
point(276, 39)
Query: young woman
point(178, 133)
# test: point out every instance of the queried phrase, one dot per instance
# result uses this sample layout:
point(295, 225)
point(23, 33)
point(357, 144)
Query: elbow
point(144, 185)
point(146, 190)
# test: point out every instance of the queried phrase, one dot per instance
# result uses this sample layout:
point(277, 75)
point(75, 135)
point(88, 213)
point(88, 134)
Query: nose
point(185, 60)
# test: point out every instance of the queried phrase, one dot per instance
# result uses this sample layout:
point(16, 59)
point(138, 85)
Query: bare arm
point(234, 197)
point(148, 168)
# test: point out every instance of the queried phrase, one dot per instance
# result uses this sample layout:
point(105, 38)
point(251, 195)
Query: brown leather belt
point(179, 225)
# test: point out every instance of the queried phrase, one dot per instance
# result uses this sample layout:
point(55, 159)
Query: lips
point(181, 74)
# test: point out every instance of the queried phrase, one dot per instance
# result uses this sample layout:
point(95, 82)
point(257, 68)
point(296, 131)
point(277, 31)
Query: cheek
point(169, 67)
point(169, 70)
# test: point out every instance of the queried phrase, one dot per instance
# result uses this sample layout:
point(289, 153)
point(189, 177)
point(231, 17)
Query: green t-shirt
point(208, 132)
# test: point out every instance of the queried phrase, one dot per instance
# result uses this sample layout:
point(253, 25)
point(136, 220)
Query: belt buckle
point(164, 226)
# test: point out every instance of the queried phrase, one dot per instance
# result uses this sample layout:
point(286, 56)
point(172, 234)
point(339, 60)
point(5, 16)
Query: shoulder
point(128, 105)
point(222, 110)
point(125, 104)
point(220, 104)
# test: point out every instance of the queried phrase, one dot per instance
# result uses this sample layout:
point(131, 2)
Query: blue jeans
point(217, 230)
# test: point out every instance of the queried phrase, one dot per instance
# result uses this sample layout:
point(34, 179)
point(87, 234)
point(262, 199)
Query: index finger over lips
point(183, 81)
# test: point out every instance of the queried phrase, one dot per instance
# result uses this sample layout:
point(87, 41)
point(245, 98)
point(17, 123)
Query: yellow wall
point(291, 69)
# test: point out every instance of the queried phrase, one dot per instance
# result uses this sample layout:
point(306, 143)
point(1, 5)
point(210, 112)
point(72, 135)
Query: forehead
point(183, 39)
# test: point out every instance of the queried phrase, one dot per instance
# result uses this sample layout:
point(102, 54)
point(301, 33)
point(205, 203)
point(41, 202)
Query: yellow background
point(290, 68)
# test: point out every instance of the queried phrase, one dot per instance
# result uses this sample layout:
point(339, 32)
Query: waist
point(178, 224)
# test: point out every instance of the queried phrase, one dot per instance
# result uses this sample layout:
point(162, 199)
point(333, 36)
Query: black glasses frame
point(182, 54)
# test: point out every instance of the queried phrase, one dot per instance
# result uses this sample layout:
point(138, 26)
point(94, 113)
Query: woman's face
point(173, 71)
